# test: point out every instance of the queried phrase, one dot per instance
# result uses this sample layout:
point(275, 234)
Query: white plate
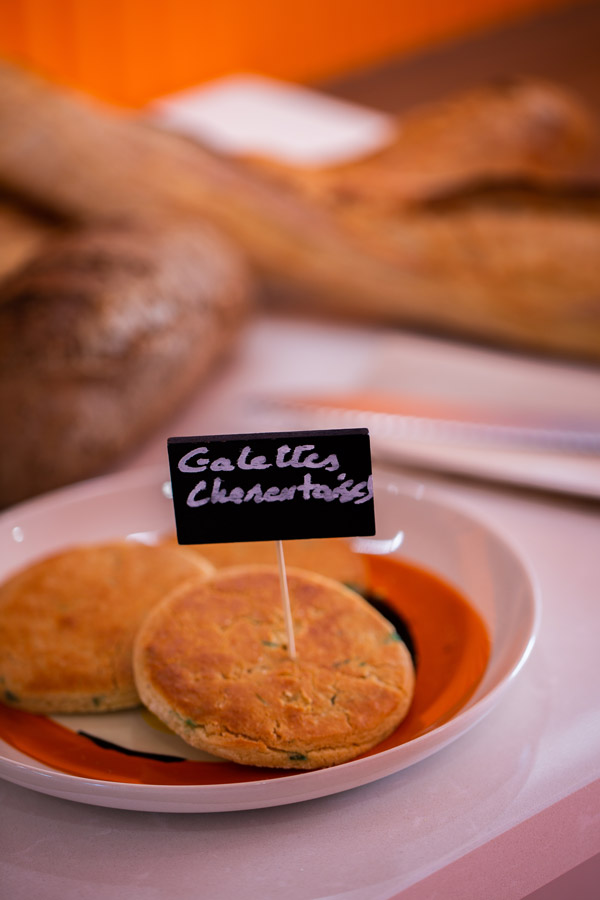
point(443, 539)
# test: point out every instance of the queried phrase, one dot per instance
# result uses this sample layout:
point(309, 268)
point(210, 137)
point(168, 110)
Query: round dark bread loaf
point(101, 336)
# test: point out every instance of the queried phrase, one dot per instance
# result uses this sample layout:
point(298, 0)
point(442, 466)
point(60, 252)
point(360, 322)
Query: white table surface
point(507, 808)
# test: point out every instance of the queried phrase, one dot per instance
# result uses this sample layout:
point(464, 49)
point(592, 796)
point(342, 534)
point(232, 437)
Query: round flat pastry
point(332, 557)
point(67, 624)
point(212, 663)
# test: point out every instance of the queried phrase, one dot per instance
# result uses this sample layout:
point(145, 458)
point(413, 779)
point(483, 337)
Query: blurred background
point(131, 51)
point(454, 265)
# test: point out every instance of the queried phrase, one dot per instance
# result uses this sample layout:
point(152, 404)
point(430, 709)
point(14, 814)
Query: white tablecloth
point(507, 808)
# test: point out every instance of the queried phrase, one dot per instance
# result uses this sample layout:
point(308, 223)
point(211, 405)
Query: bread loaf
point(102, 335)
point(378, 239)
point(513, 263)
point(509, 129)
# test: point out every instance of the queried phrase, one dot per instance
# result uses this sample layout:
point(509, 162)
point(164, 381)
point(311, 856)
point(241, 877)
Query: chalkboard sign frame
point(271, 486)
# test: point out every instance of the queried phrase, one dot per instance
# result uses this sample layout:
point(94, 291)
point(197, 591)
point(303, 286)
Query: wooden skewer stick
point(285, 599)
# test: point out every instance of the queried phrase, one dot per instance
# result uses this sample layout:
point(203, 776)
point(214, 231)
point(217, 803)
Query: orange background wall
point(128, 51)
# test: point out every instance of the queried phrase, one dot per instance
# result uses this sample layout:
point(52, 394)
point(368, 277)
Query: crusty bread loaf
point(102, 335)
point(211, 662)
point(508, 129)
point(80, 158)
point(375, 239)
point(472, 223)
point(512, 263)
point(67, 623)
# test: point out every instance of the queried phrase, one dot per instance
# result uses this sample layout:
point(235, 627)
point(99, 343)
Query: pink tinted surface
point(538, 749)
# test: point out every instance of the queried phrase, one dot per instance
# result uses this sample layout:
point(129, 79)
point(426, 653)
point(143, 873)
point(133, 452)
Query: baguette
point(515, 263)
point(510, 129)
point(376, 240)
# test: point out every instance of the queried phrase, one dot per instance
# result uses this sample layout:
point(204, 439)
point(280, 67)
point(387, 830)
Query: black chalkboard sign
point(272, 486)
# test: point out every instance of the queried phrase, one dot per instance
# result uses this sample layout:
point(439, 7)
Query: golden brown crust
point(507, 129)
point(127, 169)
point(102, 335)
point(332, 557)
point(511, 262)
point(67, 624)
point(360, 240)
point(212, 663)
